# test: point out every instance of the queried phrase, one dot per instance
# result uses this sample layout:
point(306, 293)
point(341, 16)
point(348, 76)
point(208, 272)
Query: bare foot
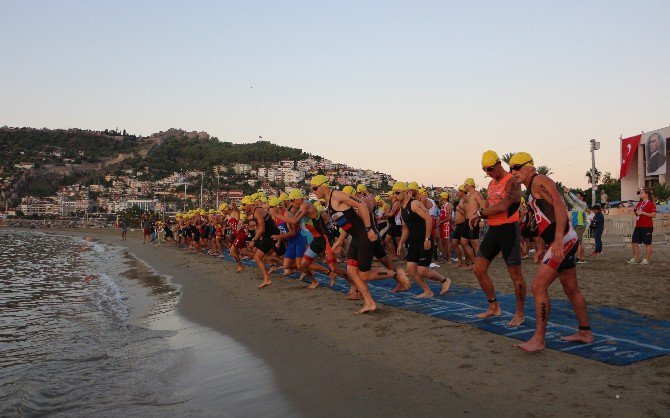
point(581, 337)
point(313, 285)
point(403, 281)
point(354, 295)
point(462, 266)
point(286, 272)
point(532, 346)
point(445, 286)
point(425, 294)
point(239, 268)
point(273, 269)
point(367, 309)
point(332, 276)
point(265, 283)
point(517, 320)
point(493, 310)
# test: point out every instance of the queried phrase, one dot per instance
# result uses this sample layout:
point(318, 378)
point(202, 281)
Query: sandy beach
point(330, 362)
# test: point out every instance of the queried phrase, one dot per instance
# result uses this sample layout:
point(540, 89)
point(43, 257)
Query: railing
point(620, 232)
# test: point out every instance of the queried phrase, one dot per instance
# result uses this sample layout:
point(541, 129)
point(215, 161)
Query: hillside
point(62, 157)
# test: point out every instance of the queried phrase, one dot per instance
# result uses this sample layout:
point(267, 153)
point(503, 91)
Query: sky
point(416, 89)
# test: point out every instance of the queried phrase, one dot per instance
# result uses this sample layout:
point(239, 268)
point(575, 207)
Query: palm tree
point(588, 176)
point(507, 157)
point(545, 170)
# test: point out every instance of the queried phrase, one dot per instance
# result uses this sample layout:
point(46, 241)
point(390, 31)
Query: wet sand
point(330, 362)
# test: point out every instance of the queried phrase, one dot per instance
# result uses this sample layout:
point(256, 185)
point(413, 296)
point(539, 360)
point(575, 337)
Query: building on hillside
point(24, 165)
point(287, 164)
point(241, 168)
point(67, 207)
point(40, 207)
point(143, 204)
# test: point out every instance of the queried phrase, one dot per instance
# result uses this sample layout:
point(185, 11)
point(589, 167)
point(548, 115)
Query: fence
point(620, 232)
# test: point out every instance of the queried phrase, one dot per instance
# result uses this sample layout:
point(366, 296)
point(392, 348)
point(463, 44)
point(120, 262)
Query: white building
point(241, 168)
point(287, 164)
point(294, 176)
point(144, 204)
point(67, 207)
point(637, 171)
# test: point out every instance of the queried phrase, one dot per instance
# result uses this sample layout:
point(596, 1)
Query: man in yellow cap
point(444, 226)
point(314, 228)
point(472, 202)
point(353, 216)
point(416, 231)
point(558, 260)
point(460, 241)
point(501, 210)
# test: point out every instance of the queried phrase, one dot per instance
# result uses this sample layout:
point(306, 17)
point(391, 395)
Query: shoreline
point(331, 362)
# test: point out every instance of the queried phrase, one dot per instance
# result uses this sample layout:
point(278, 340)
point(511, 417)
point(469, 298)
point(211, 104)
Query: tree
point(544, 170)
point(661, 192)
point(506, 157)
point(598, 175)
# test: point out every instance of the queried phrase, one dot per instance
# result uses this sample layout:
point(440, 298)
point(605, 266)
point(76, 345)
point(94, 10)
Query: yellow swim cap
point(283, 197)
point(274, 202)
point(469, 182)
point(361, 188)
point(423, 191)
point(319, 180)
point(224, 206)
point(348, 190)
point(247, 200)
point(295, 194)
point(378, 199)
point(489, 159)
point(211, 211)
point(461, 188)
point(444, 195)
point(521, 158)
point(399, 186)
point(413, 186)
point(318, 207)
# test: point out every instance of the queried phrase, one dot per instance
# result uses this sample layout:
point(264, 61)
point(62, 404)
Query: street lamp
point(595, 145)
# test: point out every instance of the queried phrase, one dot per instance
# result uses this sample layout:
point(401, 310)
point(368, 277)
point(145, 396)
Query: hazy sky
point(418, 89)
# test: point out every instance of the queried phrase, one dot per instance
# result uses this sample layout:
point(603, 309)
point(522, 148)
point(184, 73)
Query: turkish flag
point(628, 149)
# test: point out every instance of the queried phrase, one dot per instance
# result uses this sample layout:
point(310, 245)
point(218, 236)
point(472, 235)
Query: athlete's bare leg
point(467, 251)
point(481, 271)
point(258, 258)
point(358, 277)
point(568, 280)
point(428, 273)
point(236, 255)
point(520, 292)
point(544, 277)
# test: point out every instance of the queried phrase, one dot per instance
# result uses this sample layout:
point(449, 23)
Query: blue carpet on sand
point(622, 337)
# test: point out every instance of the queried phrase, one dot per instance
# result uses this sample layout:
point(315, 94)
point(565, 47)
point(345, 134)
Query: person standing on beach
point(645, 211)
point(145, 223)
point(545, 201)
point(597, 227)
point(472, 202)
point(444, 225)
point(124, 229)
point(577, 219)
point(262, 241)
point(503, 198)
point(459, 240)
point(416, 230)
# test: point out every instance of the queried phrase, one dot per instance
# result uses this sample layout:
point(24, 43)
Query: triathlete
point(262, 241)
point(551, 213)
point(472, 203)
point(503, 197)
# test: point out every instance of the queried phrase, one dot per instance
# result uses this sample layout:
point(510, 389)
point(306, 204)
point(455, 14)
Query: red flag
point(628, 150)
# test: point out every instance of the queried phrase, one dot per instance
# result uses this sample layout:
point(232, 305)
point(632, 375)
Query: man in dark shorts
point(146, 227)
point(559, 258)
point(416, 230)
point(501, 209)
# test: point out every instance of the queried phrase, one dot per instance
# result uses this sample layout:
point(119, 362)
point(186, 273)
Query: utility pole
point(202, 181)
point(218, 188)
point(595, 145)
point(185, 194)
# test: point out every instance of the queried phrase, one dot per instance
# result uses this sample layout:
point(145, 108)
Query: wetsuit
point(417, 236)
point(315, 229)
point(265, 243)
point(360, 249)
point(546, 224)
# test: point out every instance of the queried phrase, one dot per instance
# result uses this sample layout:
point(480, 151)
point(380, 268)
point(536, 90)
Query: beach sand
point(330, 362)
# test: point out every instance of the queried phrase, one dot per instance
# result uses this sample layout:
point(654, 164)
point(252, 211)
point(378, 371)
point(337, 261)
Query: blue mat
point(622, 337)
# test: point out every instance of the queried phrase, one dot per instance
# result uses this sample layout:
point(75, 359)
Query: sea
point(86, 329)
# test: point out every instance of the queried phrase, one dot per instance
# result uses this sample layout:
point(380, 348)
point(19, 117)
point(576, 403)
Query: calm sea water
point(85, 329)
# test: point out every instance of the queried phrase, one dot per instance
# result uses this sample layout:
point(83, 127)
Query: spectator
point(577, 219)
point(603, 199)
point(146, 227)
point(597, 226)
point(645, 210)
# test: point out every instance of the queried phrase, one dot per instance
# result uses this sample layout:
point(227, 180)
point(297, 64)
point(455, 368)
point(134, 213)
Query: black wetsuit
point(360, 248)
point(417, 236)
point(265, 243)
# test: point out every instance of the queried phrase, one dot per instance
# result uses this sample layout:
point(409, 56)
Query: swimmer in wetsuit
point(548, 208)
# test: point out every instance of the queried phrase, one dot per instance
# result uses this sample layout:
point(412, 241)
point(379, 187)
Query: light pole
point(218, 188)
point(595, 145)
